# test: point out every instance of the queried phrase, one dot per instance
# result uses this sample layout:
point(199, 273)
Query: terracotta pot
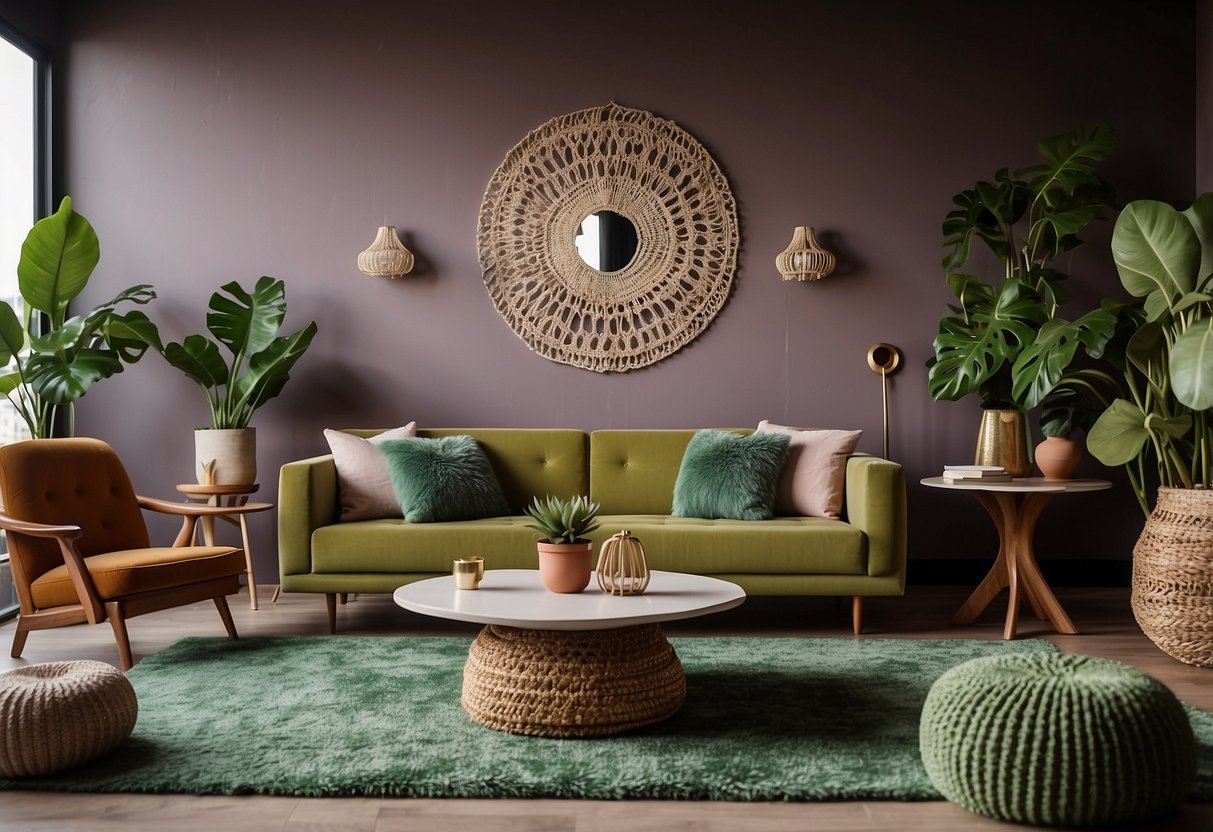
point(565, 567)
point(1057, 457)
point(1003, 440)
point(1173, 575)
point(234, 453)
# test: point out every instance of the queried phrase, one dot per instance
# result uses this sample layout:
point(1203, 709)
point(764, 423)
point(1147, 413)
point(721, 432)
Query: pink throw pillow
point(363, 487)
point(814, 476)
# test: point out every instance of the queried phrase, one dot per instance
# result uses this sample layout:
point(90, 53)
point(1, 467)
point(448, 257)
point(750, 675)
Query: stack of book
point(975, 474)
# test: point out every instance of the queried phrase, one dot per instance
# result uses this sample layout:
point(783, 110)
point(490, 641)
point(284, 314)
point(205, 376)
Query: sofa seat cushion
point(399, 546)
point(784, 545)
point(117, 574)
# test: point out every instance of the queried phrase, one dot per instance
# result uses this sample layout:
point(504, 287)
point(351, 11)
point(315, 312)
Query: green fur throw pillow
point(725, 475)
point(438, 480)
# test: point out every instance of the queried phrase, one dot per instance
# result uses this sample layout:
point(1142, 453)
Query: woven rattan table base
point(584, 683)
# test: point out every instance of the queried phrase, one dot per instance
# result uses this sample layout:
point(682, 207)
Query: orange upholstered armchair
point(79, 548)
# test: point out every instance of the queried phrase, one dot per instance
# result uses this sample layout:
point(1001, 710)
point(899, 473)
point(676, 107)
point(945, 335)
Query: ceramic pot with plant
point(1165, 256)
point(1004, 340)
point(57, 359)
point(565, 553)
point(246, 325)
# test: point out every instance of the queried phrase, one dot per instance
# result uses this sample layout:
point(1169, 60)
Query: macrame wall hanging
point(648, 171)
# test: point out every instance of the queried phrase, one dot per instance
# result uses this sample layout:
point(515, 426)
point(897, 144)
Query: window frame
point(43, 153)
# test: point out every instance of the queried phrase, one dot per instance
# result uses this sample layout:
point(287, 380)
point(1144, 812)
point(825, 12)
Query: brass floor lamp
point(884, 359)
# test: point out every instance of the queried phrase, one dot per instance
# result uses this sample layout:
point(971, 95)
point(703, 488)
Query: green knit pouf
point(1059, 740)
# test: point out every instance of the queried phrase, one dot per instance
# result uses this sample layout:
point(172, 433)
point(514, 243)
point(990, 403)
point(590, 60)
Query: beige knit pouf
point(60, 715)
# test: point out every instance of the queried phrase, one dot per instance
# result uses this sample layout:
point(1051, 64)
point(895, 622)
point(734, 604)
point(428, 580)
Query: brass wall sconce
point(387, 256)
point(884, 359)
point(804, 258)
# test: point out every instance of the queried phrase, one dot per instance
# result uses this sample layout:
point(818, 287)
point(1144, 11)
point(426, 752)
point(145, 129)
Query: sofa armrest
point(307, 500)
point(876, 505)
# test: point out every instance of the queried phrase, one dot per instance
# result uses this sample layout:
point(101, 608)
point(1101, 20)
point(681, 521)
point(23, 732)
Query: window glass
point(18, 207)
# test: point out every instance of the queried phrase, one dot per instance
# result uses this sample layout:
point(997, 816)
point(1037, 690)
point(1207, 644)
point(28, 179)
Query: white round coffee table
point(579, 665)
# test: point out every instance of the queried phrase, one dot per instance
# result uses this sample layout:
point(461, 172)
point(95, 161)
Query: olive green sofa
point(631, 473)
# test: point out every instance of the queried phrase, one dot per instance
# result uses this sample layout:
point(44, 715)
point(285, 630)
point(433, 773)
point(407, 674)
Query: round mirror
point(606, 241)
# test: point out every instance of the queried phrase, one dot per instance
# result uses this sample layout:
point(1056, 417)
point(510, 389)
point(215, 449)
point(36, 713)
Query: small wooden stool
point(233, 496)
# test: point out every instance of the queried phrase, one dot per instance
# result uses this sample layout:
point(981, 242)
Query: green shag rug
point(765, 719)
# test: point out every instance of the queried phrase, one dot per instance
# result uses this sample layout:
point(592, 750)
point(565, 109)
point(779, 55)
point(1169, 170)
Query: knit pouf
point(1057, 740)
point(63, 714)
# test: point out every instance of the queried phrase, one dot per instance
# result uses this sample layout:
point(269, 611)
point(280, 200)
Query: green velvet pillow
point(725, 475)
point(438, 480)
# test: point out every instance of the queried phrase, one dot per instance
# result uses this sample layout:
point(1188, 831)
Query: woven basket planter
point(1173, 575)
point(61, 715)
point(1057, 740)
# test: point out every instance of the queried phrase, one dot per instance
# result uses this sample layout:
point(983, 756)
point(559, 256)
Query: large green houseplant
point(53, 359)
point(258, 364)
point(1004, 340)
point(1166, 257)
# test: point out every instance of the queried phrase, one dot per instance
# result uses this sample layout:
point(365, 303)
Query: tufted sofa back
point(79, 482)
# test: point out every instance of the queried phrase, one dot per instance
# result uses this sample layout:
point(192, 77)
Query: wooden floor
point(1102, 614)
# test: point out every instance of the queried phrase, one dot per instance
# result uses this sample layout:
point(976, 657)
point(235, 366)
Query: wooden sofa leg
point(330, 600)
point(343, 598)
point(113, 611)
point(857, 613)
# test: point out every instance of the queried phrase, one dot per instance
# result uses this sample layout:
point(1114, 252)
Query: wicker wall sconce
point(804, 258)
point(387, 256)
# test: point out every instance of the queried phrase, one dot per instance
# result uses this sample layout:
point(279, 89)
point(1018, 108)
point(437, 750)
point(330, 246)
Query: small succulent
point(563, 521)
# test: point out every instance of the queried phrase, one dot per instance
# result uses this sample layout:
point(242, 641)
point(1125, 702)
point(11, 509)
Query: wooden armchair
point(79, 548)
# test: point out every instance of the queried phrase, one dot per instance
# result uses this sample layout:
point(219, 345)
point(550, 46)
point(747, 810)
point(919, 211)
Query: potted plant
point(1166, 257)
point(1004, 341)
point(565, 554)
point(56, 359)
point(258, 366)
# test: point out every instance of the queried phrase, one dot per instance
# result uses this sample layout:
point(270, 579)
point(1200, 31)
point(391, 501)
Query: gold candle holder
point(468, 572)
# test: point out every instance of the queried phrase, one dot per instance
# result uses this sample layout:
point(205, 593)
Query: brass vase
point(1003, 440)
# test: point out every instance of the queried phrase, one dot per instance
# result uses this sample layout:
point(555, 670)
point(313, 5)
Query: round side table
point(1015, 507)
point(231, 496)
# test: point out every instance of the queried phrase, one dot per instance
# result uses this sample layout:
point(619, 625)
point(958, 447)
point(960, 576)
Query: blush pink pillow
point(815, 474)
point(363, 487)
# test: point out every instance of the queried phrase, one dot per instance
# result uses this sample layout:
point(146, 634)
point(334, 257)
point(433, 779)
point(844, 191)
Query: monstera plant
point(246, 325)
point(1004, 340)
point(54, 359)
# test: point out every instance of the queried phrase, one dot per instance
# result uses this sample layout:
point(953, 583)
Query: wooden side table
point(234, 497)
point(1015, 507)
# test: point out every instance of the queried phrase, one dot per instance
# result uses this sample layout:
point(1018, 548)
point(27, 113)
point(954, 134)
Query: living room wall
point(217, 141)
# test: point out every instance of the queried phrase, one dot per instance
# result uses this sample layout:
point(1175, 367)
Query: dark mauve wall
point(37, 20)
point(213, 141)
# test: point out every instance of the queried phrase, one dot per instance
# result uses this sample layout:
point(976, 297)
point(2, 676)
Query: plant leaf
point(1147, 349)
point(269, 370)
point(1068, 159)
point(1155, 248)
point(12, 334)
point(130, 335)
point(9, 382)
point(60, 380)
point(1200, 215)
point(199, 358)
point(1040, 367)
point(57, 258)
point(1191, 366)
point(1119, 434)
point(247, 323)
point(64, 338)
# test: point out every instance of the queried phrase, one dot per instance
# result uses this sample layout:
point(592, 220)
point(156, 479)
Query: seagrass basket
point(1173, 575)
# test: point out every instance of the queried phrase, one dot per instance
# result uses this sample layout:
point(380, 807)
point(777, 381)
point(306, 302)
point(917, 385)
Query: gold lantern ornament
point(387, 256)
point(622, 569)
point(804, 258)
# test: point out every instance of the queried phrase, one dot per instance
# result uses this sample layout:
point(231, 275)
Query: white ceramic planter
point(233, 451)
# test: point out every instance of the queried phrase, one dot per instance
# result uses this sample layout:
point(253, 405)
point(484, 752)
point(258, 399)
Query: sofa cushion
point(363, 486)
point(117, 574)
point(784, 545)
point(400, 546)
point(726, 476)
point(443, 479)
point(813, 480)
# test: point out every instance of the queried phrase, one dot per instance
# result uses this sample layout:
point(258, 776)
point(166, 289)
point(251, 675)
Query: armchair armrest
point(876, 505)
point(307, 500)
point(65, 536)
